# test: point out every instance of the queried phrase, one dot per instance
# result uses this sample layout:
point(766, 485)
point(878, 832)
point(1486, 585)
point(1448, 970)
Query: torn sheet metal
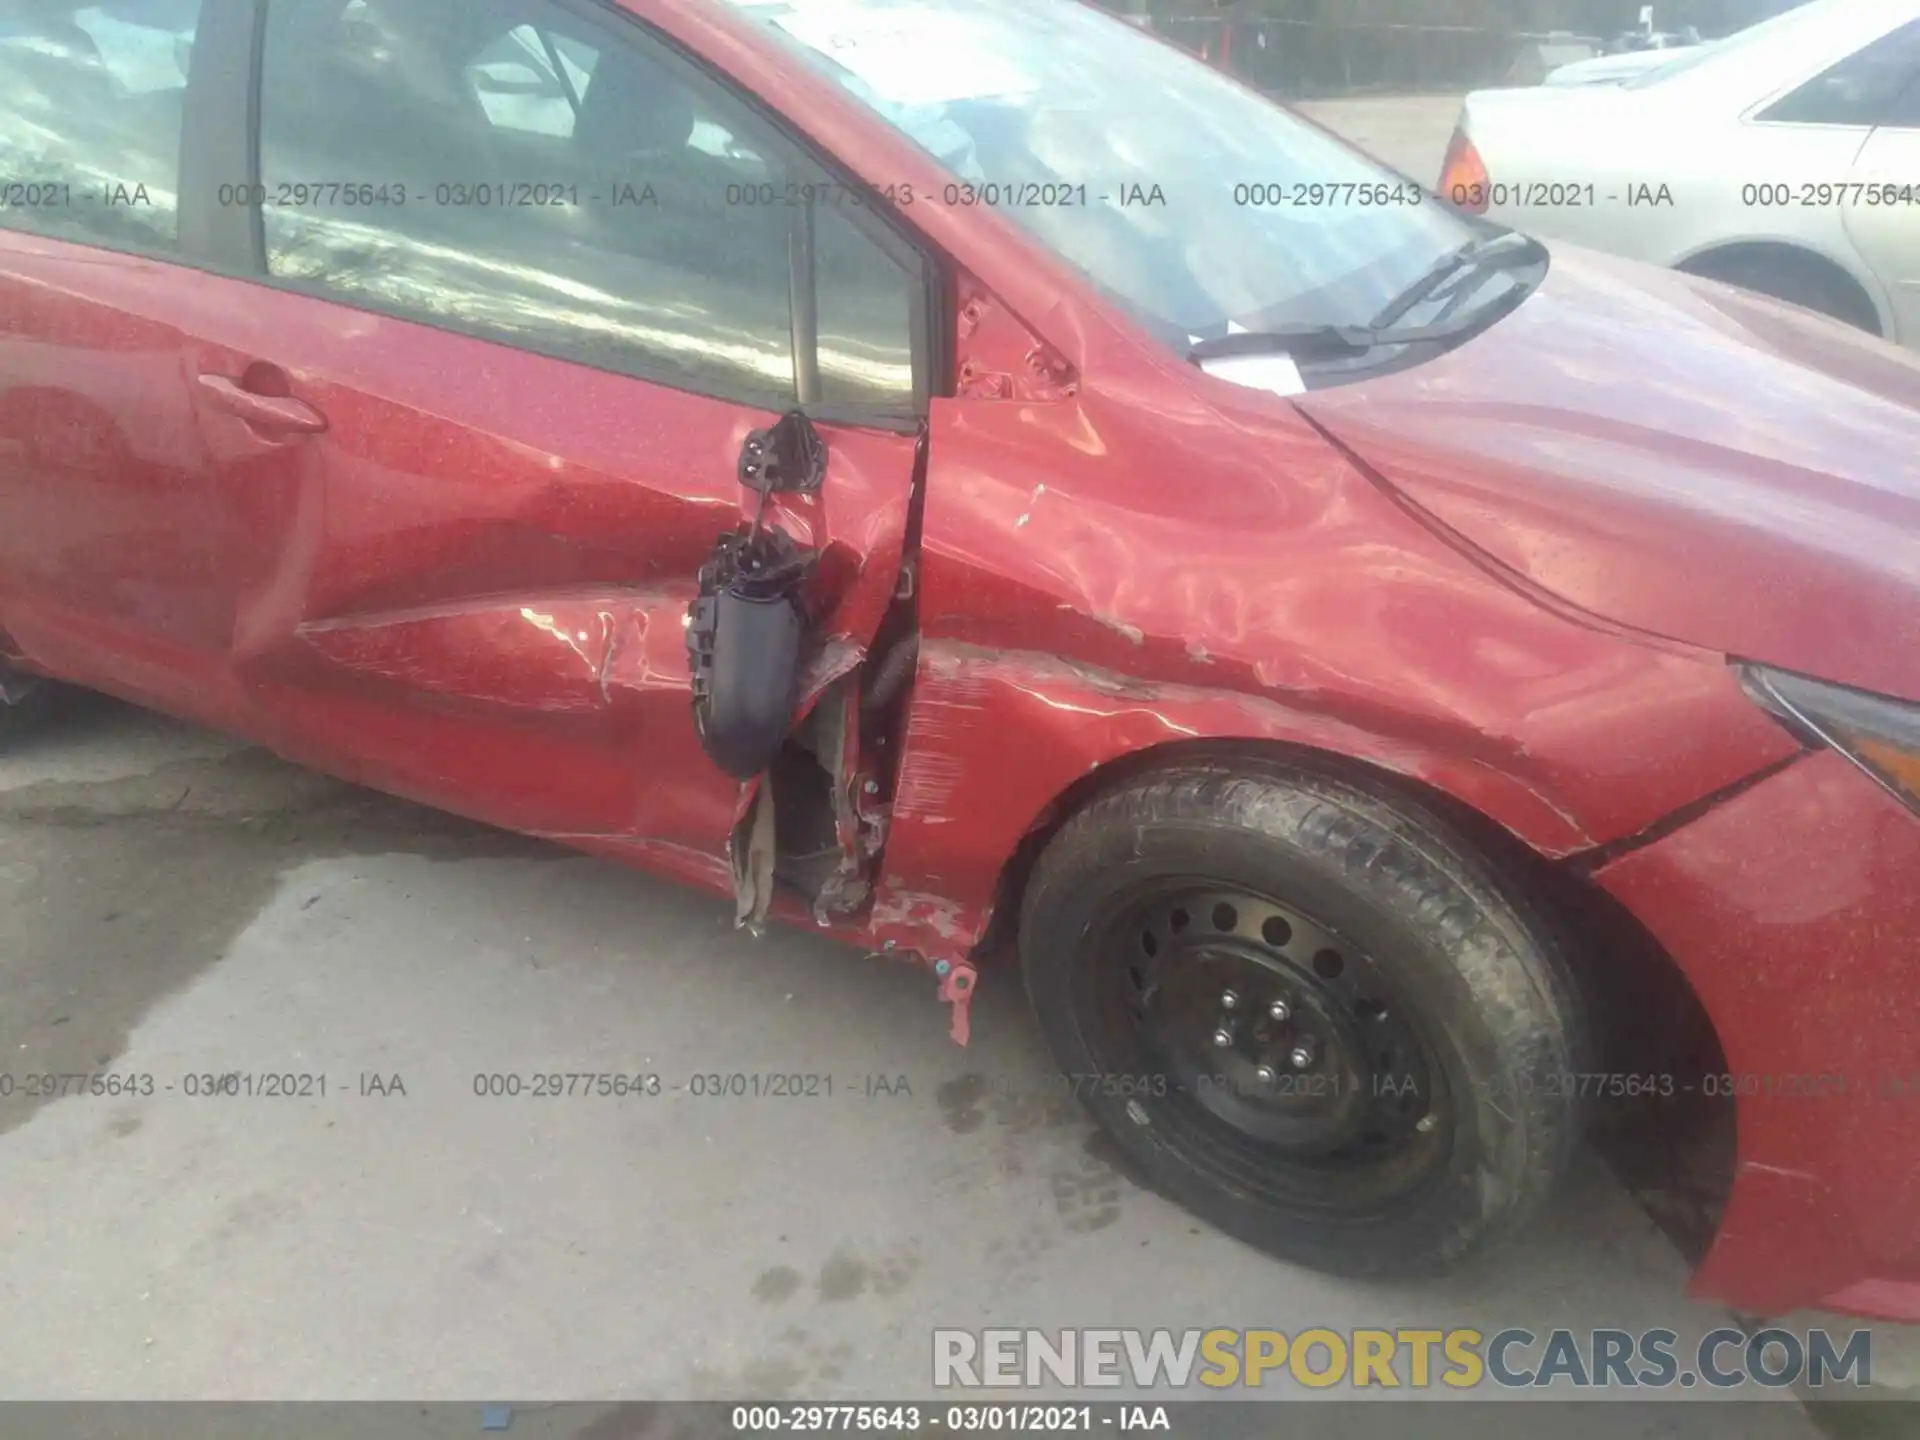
point(999, 357)
point(859, 829)
point(957, 981)
point(752, 852)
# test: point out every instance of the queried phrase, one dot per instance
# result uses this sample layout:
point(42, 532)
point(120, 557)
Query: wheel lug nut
point(1265, 1075)
point(1302, 1053)
point(1222, 1038)
point(1228, 999)
point(1280, 1011)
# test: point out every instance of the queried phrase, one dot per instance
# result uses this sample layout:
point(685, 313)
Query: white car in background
point(1614, 69)
point(1784, 158)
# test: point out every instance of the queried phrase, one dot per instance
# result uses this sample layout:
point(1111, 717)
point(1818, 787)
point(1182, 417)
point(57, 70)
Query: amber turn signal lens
point(1879, 734)
point(1463, 175)
point(1900, 768)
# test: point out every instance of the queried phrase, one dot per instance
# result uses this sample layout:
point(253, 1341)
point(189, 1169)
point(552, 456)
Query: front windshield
point(1195, 203)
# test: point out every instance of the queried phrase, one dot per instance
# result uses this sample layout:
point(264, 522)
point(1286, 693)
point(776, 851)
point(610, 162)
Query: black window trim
point(213, 153)
point(230, 240)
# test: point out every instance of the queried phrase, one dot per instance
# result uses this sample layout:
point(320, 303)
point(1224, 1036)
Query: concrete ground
point(175, 905)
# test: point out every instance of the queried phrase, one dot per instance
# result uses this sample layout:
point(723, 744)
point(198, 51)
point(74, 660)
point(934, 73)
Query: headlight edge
point(1807, 707)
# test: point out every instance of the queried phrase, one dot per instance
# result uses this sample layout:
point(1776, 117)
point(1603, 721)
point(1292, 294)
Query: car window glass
point(1176, 192)
point(533, 81)
point(1904, 113)
point(91, 100)
point(865, 306)
point(1860, 90)
point(538, 175)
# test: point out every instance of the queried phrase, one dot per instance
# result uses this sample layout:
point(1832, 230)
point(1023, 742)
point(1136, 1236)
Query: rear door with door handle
point(108, 554)
point(262, 398)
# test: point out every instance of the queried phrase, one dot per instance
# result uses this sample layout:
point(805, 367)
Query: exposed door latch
point(787, 458)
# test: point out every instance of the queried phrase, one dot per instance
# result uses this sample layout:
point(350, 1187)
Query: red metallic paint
point(469, 589)
point(105, 519)
point(496, 517)
point(1066, 625)
point(997, 357)
point(1685, 458)
point(1795, 911)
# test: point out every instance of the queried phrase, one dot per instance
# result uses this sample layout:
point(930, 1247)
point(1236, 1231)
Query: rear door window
point(1861, 90)
point(91, 102)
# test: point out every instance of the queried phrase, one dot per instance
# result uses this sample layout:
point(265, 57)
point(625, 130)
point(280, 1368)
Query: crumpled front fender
point(1102, 575)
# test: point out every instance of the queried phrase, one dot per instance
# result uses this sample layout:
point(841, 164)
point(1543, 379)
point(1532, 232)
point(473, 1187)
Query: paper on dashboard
point(1275, 373)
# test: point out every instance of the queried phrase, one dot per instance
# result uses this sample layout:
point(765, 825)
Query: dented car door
point(472, 451)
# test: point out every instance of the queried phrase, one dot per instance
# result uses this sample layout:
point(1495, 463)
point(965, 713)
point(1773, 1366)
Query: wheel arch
point(1713, 260)
point(1500, 842)
point(1651, 1019)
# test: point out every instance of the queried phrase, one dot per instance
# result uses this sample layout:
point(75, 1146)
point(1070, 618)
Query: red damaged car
point(964, 471)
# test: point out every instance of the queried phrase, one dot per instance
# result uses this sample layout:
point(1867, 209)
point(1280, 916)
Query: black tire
point(1785, 275)
point(1436, 940)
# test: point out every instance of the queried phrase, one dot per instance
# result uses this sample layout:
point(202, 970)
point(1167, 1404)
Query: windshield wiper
point(1330, 341)
point(1503, 250)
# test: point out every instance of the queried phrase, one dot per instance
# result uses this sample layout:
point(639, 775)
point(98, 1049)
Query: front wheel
point(1310, 1012)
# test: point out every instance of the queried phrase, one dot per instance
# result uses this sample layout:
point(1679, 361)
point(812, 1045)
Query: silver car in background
point(1784, 158)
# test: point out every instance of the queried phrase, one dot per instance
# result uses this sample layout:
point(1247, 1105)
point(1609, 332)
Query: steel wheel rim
point(1283, 1058)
